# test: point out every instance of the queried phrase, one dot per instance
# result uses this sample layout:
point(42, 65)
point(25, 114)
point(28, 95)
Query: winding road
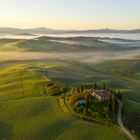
point(120, 122)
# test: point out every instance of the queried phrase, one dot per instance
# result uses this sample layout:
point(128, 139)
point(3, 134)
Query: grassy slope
point(118, 74)
point(132, 106)
point(46, 44)
point(125, 71)
point(21, 81)
point(74, 73)
point(39, 45)
point(88, 131)
point(24, 81)
point(32, 119)
point(10, 45)
point(40, 117)
point(98, 43)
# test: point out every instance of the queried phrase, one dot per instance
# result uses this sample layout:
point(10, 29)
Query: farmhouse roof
point(103, 93)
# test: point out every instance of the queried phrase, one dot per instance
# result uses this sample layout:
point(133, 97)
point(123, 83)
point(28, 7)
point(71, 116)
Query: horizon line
point(68, 29)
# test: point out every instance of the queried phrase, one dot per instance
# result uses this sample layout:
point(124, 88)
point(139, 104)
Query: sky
point(70, 14)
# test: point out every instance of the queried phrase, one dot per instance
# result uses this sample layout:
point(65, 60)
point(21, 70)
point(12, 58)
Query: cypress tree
point(82, 88)
point(95, 85)
point(104, 86)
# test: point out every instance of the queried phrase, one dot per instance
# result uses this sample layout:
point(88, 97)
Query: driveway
point(120, 122)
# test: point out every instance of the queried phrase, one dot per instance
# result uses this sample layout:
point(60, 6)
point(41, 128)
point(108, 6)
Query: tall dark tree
point(82, 88)
point(95, 85)
point(119, 95)
point(113, 103)
point(104, 86)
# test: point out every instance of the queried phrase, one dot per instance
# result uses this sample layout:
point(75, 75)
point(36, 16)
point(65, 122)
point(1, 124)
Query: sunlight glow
point(70, 14)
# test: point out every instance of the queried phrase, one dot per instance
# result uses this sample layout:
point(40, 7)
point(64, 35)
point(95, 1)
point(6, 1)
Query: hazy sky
point(70, 14)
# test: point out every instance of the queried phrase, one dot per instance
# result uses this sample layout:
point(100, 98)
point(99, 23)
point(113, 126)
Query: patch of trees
point(106, 111)
point(54, 88)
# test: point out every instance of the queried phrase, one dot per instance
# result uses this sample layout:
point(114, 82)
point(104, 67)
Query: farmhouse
point(102, 95)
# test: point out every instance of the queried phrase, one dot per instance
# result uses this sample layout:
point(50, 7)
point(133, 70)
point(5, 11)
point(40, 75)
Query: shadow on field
point(5, 131)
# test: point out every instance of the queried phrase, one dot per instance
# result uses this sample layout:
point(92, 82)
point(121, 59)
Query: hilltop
point(26, 34)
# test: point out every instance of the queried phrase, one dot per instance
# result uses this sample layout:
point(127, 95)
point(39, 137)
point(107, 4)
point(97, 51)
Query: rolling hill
point(24, 81)
point(28, 85)
point(28, 112)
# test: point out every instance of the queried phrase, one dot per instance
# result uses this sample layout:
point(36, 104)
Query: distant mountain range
point(43, 30)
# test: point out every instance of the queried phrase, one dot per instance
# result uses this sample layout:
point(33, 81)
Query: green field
point(41, 118)
point(28, 111)
point(24, 81)
point(56, 44)
point(38, 45)
point(87, 131)
point(32, 118)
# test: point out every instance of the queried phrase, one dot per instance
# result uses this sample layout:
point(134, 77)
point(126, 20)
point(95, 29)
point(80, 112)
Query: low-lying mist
point(86, 57)
point(101, 51)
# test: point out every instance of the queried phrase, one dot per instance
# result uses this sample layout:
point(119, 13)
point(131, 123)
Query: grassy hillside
point(117, 74)
point(127, 73)
point(120, 75)
point(55, 44)
point(10, 45)
point(98, 43)
point(23, 81)
point(32, 119)
point(88, 131)
point(41, 118)
point(28, 111)
point(31, 114)
point(39, 45)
